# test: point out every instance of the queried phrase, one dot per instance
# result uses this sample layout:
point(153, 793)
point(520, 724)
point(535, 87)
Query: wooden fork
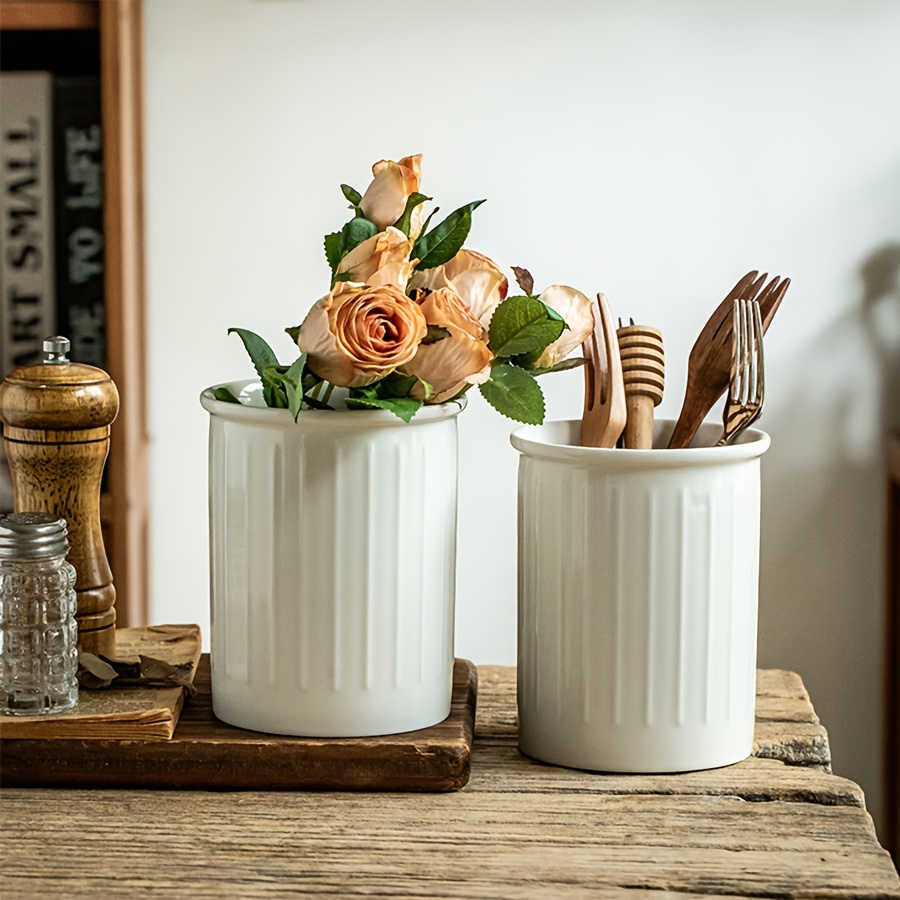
point(604, 414)
point(709, 363)
point(745, 396)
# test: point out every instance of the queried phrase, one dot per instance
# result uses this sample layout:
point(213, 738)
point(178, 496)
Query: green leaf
point(554, 315)
point(261, 354)
point(223, 394)
point(515, 394)
point(310, 380)
point(294, 398)
point(527, 360)
point(522, 325)
point(445, 240)
point(314, 403)
point(354, 233)
point(402, 407)
point(273, 387)
point(434, 334)
point(293, 332)
point(343, 276)
point(295, 373)
point(396, 385)
point(353, 195)
point(333, 249)
point(427, 221)
point(404, 223)
point(563, 365)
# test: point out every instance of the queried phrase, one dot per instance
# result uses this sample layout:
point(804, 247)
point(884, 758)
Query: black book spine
point(27, 301)
point(78, 175)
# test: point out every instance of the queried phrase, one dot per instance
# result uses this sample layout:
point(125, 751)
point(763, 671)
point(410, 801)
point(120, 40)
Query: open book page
point(132, 712)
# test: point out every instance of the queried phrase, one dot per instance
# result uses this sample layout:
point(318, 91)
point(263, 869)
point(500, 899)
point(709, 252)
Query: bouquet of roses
point(412, 317)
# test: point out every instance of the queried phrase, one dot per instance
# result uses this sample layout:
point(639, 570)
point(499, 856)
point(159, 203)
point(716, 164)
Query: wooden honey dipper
point(643, 370)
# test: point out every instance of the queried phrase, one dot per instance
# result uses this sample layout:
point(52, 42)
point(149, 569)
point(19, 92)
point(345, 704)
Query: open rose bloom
point(412, 316)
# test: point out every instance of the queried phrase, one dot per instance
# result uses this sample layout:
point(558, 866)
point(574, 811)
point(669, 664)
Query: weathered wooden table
point(776, 825)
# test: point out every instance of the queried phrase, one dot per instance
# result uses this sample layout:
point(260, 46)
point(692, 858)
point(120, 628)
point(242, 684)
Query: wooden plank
point(498, 765)
point(121, 49)
point(518, 829)
point(787, 727)
point(43, 15)
point(207, 753)
point(467, 844)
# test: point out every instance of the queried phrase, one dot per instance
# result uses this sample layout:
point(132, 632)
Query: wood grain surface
point(519, 829)
point(56, 419)
point(206, 753)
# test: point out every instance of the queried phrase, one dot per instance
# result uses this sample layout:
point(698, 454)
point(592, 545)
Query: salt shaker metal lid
point(32, 536)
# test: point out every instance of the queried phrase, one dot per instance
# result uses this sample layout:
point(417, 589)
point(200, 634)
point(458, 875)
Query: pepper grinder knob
point(56, 417)
point(56, 349)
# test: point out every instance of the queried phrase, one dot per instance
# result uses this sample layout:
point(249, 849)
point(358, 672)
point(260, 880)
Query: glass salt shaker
point(38, 632)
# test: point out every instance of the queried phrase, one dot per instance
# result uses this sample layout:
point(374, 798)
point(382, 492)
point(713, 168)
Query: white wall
point(655, 150)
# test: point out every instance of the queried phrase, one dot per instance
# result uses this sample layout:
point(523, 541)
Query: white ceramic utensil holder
point(638, 588)
point(332, 565)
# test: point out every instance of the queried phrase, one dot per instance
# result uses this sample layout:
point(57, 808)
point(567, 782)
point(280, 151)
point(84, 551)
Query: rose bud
point(385, 197)
point(577, 313)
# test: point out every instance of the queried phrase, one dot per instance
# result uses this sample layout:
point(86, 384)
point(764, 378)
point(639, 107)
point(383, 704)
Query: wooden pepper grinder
point(643, 370)
point(56, 418)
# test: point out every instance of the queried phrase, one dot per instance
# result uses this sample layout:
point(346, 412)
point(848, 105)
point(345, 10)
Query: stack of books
point(51, 217)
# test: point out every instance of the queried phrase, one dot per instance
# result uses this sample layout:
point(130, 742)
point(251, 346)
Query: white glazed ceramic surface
point(332, 555)
point(638, 586)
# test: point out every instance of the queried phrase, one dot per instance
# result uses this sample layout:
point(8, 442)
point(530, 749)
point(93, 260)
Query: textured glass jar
point(38, 633)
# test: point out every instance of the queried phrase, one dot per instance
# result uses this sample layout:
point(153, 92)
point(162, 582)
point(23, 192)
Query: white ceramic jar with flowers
point(333, 478)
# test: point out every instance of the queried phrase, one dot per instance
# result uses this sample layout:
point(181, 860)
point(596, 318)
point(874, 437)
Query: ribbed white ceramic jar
point(332, 566)
point(638, 588)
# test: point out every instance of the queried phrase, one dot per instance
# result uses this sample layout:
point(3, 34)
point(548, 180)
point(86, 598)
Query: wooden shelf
point(49, 15)
point(37, 31)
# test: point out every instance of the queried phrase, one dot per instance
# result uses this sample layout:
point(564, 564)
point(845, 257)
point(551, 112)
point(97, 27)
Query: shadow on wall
point(881, 316)
point(823, 491)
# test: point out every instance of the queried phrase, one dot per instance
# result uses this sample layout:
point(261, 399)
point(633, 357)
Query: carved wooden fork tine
point(604, 388)
point(746, 393)
point(770, 299)
point(709, 362)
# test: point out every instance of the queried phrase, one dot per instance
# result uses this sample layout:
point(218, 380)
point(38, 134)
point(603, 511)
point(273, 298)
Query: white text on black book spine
point(84, 246)
point(27, 257)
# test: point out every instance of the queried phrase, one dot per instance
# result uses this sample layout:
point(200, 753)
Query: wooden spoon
point(709, 363)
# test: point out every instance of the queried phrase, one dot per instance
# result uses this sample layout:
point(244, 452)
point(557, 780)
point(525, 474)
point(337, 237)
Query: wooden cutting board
point(206, 754)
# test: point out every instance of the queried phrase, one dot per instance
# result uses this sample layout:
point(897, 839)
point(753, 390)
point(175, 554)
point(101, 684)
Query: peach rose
point(576, 309)
point(357, 334)
point(472, 277)
point(385, 197)
point(458, 358)
point(382, 259)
